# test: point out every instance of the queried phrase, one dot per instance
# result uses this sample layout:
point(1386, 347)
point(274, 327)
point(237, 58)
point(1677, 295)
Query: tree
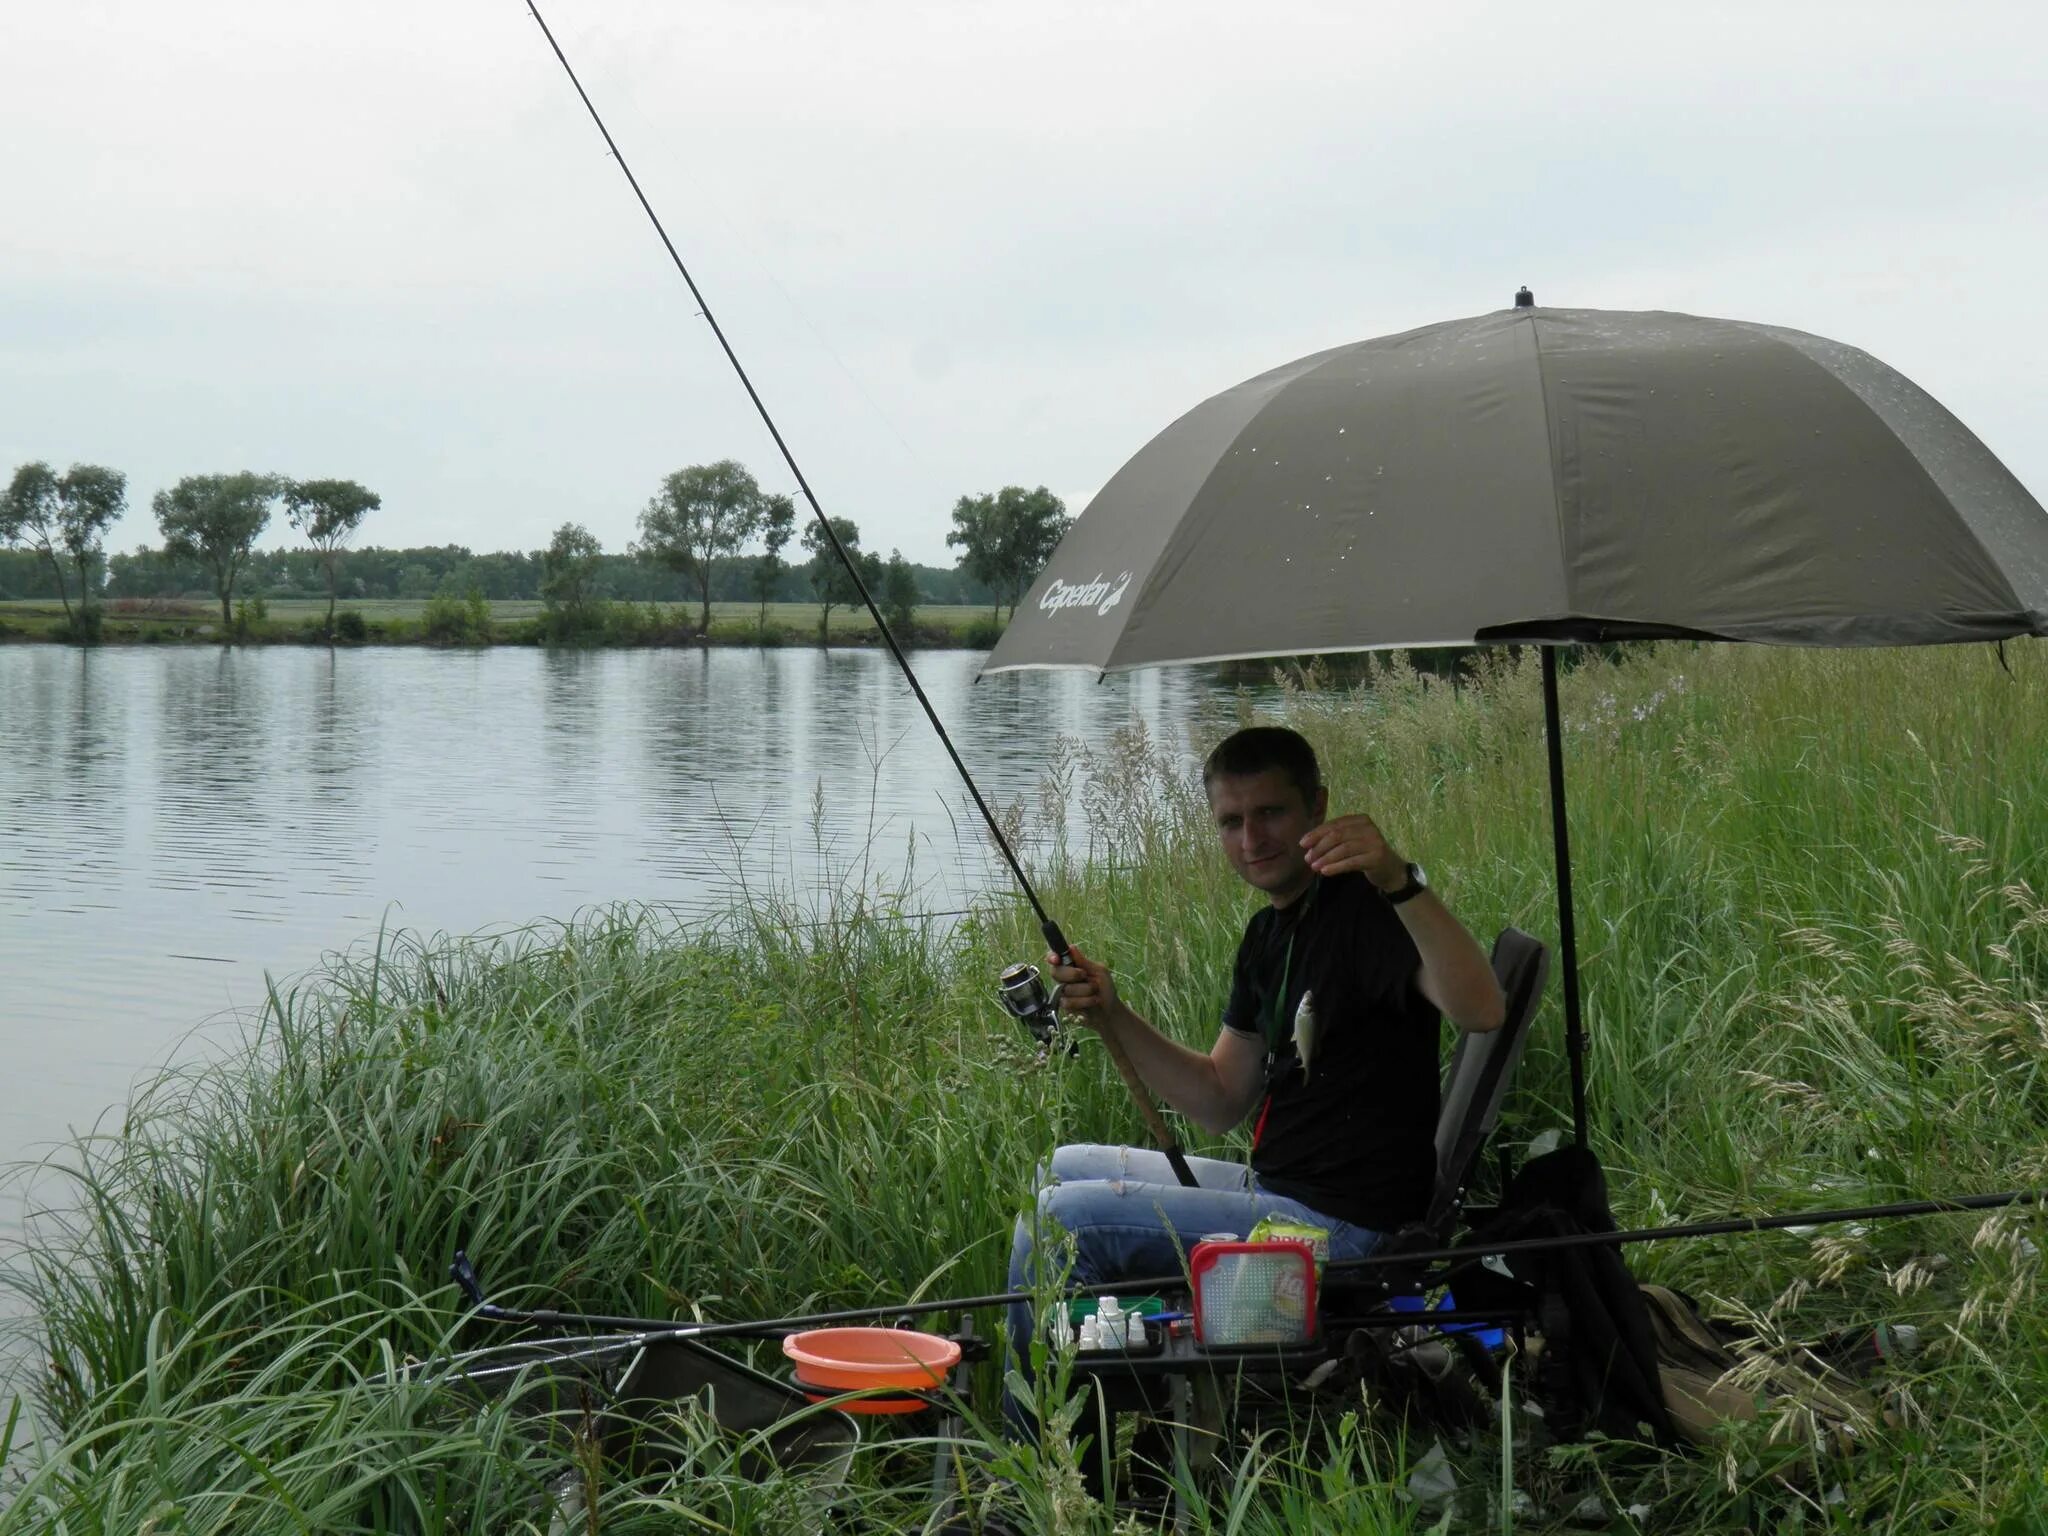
point(778, 523)
point(327, 513)
point(568, 583)
point(899, 591)
point(214, 520)
point(1039, 521)
point(831, 582)
point(700, 514)
point(1005, 539)
point(89, 498)
point(28, 516)
point(978, 538)
point(71, 513)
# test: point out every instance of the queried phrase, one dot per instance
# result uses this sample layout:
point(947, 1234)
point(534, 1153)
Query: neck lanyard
point(1276, 1010)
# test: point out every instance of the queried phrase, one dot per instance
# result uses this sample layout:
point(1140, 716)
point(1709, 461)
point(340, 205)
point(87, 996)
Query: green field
point(399, 621)
point(1816, 955)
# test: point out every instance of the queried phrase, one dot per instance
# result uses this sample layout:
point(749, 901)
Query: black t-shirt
point(1354, 1138)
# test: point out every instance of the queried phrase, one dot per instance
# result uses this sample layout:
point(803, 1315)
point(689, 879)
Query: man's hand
point(1355, 842)
point(1086, 989)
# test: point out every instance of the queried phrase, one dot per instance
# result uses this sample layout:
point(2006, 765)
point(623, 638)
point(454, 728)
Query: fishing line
point(619, 90)
point(1155, 1122)
point(1046, 925)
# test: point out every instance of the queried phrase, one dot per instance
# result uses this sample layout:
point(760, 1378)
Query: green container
point(1085, 1306)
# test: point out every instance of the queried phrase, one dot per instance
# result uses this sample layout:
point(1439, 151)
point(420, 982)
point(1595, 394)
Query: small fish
point(1305, 1034)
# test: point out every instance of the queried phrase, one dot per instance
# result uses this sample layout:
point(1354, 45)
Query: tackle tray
point(1147, 1307)
point(1154, 1344)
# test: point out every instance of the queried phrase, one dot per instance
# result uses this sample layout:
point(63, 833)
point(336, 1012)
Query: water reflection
point(573, 731)
point(718, 726)
point(327, 744)
point(211, 781)
point(64, 818)
point(91, 780)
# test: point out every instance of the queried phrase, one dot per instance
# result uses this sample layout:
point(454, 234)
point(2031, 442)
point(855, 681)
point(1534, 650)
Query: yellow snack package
point(1274, 1228)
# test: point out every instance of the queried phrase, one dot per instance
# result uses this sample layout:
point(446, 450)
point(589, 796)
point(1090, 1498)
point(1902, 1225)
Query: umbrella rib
point(1550, 452)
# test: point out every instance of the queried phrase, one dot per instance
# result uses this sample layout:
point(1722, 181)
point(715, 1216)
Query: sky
point(957, 245)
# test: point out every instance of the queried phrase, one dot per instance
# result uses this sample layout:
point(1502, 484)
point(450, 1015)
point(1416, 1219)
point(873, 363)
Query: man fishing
point(1331, 1032)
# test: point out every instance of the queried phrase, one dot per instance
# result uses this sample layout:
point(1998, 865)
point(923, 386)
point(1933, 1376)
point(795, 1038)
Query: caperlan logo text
point(1099, 594)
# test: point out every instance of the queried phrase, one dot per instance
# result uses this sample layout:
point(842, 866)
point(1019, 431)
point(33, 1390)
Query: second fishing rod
point(1015, 986)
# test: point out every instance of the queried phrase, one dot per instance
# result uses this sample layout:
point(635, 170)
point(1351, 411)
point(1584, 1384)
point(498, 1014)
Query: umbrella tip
point(1524, 299)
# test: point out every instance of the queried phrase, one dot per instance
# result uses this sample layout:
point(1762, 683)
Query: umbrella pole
point(1567, 937)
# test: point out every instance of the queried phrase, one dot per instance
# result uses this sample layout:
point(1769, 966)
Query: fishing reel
point(1023, 993)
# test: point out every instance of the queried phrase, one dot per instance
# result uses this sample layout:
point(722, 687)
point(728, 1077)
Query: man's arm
point(1215, 1090)
point(1455, 975)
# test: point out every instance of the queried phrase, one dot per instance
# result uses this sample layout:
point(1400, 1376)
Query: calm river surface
point(175, 824)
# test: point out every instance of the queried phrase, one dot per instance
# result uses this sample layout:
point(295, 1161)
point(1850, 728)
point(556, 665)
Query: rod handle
point(1155, 1122)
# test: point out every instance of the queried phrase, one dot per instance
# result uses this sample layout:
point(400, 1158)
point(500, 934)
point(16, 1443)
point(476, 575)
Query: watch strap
point(1415, 887)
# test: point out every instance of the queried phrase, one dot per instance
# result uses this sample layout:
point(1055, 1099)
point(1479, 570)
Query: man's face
point(1261, 819)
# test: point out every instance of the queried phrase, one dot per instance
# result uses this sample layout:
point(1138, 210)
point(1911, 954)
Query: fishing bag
point(1597, 1367)
point(1422, 1378)
point(1700, 1361)
point(1694, 1359)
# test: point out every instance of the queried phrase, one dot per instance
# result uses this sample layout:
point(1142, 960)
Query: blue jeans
point(1124, 1210)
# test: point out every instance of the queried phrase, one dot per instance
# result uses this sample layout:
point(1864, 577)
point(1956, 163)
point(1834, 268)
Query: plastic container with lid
point(1253, 1293)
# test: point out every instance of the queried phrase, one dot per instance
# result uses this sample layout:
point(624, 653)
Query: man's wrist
point(1414, 883)
point(1110, 1020)
point(1390, 877)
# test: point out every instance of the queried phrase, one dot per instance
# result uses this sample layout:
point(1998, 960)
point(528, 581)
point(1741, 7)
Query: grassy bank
point(1817, 974)
point(451, 621)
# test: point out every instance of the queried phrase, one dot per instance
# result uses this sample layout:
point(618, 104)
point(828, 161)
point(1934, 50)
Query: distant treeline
point(710, 532)
point(444, 569)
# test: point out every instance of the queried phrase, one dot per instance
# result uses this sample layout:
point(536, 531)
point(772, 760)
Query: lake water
point(175, 824)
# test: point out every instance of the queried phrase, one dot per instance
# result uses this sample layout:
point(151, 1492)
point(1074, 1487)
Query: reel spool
point(1025, 997)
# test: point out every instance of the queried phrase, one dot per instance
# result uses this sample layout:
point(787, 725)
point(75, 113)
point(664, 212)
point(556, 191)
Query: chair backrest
point(1482, 1069)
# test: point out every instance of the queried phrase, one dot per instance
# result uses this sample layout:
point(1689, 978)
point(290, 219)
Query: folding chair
point(1481, 1071)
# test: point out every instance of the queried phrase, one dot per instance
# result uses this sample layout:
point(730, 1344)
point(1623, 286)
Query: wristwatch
point(1418, 882)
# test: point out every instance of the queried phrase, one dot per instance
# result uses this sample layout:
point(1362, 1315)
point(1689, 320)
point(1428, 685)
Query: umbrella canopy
point(1547, 474)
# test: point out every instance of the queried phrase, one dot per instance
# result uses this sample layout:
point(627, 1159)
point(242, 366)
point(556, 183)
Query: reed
point(1815, 947)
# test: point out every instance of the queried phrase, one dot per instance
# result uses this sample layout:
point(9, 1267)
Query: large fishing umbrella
point(1547, 476)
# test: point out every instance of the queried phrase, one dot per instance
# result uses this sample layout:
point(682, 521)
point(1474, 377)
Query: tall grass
point(1815, 949)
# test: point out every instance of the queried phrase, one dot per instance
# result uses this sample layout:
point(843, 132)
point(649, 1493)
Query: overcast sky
point(958, 245)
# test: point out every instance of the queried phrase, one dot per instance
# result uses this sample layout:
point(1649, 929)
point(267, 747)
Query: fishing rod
point(654, 1328)
point(1154, 1121)
point(463, 1272)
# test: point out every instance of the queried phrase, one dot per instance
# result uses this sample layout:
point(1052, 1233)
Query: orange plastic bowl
point(861, 1359)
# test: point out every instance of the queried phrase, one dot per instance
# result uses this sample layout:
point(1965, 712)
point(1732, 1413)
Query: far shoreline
point(440, 624)
point(870, 640)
